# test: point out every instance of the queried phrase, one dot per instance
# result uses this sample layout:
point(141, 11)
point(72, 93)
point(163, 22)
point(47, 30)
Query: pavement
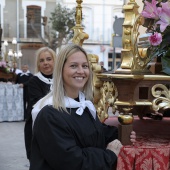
point(12, 146)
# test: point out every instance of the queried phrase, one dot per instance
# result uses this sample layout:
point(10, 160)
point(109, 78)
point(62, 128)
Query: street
point(12, 147)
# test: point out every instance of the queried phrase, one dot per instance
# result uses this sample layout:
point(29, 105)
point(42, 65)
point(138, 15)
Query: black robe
point(24, 79)
point(37, 89)
point(71, 142)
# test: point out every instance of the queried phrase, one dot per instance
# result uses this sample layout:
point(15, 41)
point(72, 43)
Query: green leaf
point(165, 65)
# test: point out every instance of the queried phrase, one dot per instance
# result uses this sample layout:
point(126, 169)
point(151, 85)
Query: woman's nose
point(80, 69)
point(45, 61)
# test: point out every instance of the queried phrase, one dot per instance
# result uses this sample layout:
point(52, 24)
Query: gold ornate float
point(131, 86)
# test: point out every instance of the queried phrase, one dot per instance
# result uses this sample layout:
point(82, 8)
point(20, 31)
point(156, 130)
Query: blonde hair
point(58, 87)
point(38, 53)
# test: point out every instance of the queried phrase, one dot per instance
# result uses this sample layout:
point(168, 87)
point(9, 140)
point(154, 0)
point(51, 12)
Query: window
point(33, 21)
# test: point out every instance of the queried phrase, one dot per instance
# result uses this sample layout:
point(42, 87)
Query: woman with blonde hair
point(67, 133)
point(38, 86)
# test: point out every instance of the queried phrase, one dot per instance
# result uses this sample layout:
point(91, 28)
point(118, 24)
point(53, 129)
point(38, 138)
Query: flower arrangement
point(4, 67)
point(157, 15)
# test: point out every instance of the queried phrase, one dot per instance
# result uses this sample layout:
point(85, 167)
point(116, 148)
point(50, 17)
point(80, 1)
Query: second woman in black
point(38, 86)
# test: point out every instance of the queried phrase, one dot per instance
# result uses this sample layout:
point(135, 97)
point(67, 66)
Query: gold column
point(132, 61)
point(79, 35)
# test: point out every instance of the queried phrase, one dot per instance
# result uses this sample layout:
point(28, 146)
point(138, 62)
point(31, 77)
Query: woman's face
point(75, 74)
point(46, 63)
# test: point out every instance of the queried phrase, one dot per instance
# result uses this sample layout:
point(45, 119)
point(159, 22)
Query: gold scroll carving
point(162, 97)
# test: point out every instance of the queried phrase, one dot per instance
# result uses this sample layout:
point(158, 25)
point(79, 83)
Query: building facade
point(99, 17)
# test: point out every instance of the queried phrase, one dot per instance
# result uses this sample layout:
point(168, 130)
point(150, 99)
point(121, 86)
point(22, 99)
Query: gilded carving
point(132, 61)
point(79, 35)
point(109, 94)
point(127, 31)
point(105, 93)
point(96, 68)
point(162, 97)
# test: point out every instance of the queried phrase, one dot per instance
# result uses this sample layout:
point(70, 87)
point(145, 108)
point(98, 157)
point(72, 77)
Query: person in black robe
point(67, 133)
point(15, 71)
point(22, 79)
point(38, 86)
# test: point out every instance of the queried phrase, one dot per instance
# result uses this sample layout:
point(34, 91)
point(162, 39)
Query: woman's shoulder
point(49, 114)
point(33, 78)
point(34, 82)
point(48, 111)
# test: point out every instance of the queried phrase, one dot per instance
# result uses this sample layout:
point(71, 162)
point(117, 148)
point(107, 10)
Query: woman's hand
point(133, 137)
point(115, 146)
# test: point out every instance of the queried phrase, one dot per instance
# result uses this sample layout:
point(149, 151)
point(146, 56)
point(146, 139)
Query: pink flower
point(155, 39)
point(151, 10)
point(165, 6)
point(164, 16)
point(3, 64)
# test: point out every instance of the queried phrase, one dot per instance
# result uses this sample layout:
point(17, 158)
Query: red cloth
point(146, 154)
point(152, 149)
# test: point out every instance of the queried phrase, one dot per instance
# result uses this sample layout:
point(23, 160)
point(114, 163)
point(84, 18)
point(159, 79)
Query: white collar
point(44, 79)
point(25, 73)
point(17, 71)
point(69, 103)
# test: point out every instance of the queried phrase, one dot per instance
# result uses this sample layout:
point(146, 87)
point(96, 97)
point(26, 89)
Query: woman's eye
point(85, 66)
point(73, 66)
point(49, 59)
